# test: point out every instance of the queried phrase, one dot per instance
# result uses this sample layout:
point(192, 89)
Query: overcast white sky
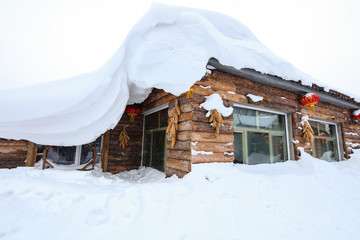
point(42, 40)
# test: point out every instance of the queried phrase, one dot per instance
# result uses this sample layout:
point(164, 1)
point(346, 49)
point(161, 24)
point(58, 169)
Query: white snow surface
point(356, 112)
point(214, 102)
point(255, 98)
point(305, 199)
point(168, 48)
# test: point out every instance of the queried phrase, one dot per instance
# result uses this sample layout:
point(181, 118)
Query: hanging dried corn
point(173, 121)
point(189, 94)
point(216, 119)
point(123, 138)
point(308, 133)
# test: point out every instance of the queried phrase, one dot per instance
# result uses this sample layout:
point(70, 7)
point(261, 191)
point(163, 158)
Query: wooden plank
point(213, 147)
point(13, 157)
point(12, 143)
point(215, 157)
point(183, 136)
point(318, 115)
point(224, 94)
point(13, 149)
point(186, 116)
point(31, 154)
point(178, 164)
point(200, 116)
point(156, 94)
point(211, 137)
point(206, 127)
point(180, 145)
point(105, 151)
point(185, 126)
point(115, 169)
point(171, 171)
point(214, 83)
point(178, 154)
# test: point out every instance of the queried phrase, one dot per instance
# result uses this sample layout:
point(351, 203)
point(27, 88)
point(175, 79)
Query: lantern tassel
point(132, 119)
point(312, 108)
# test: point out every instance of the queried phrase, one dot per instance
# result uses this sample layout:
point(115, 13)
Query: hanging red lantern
point(356, 114)
point(132, 111)
point(310, 99)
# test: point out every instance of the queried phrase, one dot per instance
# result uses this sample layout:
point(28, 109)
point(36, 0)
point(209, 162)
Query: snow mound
point(168, 48)
point(214, 102)
point(305, 199)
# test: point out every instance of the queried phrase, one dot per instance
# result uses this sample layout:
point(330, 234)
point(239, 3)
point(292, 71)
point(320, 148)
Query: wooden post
point(105, 151)
point(31, 154)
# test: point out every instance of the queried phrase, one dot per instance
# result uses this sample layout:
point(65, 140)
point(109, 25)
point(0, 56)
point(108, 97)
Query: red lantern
point(132, 111)
point(310, 99)
point(356, 114)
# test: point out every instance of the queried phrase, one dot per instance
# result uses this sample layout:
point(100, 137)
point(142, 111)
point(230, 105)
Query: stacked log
point(13, 153)
point(129, 157)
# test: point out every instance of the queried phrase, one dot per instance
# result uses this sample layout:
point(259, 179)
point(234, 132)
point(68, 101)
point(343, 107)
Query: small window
point(259, 136)
point(71, 155)
point(154, 147)
point(325, 141)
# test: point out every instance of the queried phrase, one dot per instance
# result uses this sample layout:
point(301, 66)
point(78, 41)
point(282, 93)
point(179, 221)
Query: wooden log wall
point(288, 102)
point(128, 158)
point(12, 153)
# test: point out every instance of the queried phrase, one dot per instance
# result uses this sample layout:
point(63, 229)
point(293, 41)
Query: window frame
point(287, 131)
point(337, 131)
point(146, 113)
point(78, 151)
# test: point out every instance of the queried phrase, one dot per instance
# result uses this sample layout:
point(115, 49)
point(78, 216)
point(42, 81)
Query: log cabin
point(266, 129)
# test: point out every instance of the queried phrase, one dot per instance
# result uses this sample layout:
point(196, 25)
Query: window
point(259, 136)
point(154, 146)
point(72, 155)
point(325, 141)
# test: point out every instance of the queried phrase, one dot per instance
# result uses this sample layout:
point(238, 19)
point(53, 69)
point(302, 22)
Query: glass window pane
point(154, 139)
point(147, 149)
point(325, 146)
point(62, 155)
point(258, 148)
point(278, 149)
point(152, 121)
point(158, 150)
point(271, 121)
point(244, 118)
point(238, 144)
point(315, 127)
point(163, 118)
point(87, 153)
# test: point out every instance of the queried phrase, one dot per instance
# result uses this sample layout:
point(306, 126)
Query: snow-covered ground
point(305, 199)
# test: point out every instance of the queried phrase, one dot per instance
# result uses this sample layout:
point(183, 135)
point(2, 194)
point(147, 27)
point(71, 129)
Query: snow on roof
point(168, 48)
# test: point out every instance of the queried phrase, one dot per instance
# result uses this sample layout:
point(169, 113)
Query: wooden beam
point(31, 154)
point(105, 151)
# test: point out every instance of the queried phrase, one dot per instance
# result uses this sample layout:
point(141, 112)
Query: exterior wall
point(12, 153)
point(197, 141)
point(123, 159)
point(288, 102)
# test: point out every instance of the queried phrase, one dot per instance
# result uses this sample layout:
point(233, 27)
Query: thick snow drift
point(307, 199)
point(168, 48)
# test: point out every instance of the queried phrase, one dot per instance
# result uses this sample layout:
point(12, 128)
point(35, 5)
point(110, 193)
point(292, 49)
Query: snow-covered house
point(176, 67)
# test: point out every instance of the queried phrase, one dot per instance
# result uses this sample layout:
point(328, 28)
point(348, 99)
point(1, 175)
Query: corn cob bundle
point(123, 138)
point(308, 133)
point(173, 122)
point(216, 119)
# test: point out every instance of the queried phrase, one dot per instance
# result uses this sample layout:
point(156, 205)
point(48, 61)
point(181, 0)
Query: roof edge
point(278, 82)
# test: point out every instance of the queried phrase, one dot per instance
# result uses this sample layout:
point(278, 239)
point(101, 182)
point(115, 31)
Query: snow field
point(307, 199)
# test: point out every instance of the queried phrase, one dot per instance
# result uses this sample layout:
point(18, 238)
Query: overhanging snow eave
point(278, 82)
